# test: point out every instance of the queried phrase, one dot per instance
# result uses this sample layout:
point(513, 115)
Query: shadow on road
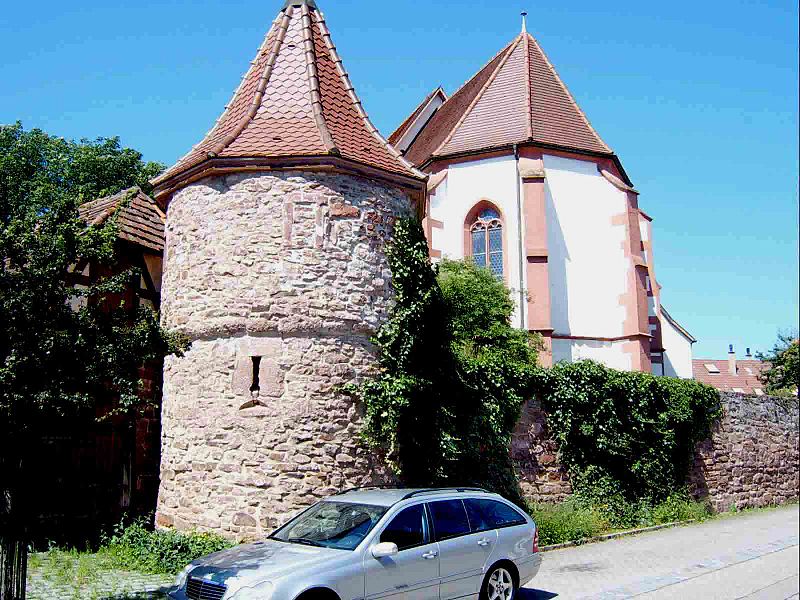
point(527, 594)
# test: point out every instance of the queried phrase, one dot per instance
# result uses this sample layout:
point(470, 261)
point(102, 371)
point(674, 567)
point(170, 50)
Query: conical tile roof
point(516, 98)
point(295, 102)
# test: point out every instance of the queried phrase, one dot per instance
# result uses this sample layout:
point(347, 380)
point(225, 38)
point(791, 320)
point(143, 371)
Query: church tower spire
point(295, 106)
point(275, 270)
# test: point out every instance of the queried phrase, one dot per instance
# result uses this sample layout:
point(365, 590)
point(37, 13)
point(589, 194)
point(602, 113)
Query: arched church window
point(487, 241)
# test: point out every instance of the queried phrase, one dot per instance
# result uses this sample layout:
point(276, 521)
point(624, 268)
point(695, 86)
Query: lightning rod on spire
point(524, 21)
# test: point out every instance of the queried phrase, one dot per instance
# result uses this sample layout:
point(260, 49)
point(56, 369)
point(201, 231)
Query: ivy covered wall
point(750, 459)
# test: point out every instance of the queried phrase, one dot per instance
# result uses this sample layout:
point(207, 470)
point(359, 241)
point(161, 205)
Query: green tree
point(496, 362)
point(408, 402)
point(454, 372)
point(56, 359)
point(782, 375)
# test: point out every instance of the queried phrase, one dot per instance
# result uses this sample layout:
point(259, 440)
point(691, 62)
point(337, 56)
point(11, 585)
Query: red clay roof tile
point(518, 97)
point(139, 218)
point(295, 101)
point(746, 378)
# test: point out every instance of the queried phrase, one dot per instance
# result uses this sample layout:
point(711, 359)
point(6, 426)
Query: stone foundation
point(279, 280)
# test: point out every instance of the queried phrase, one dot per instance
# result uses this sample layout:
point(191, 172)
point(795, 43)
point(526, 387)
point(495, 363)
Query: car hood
point(251, 564)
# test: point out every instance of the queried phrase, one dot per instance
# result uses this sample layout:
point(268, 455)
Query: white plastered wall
point(588, 266)
point(610, 354)
point(467, 184)
point(677, 351)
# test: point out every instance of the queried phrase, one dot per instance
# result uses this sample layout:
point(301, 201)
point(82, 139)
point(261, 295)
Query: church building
point(520, 181)
point(275, 265)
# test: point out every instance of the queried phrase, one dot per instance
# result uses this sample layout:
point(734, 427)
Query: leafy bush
point(680, 507)
point(454, 373)
point(139, 548)
point(782, 375)
point(566, 522)
point(625, 436)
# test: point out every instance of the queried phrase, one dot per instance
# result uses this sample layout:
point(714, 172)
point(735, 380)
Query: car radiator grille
point(200, 589)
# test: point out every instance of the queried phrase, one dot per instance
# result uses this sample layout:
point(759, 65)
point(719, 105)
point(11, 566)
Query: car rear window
point(449, 519)
point(490, 514)
point(407, 528)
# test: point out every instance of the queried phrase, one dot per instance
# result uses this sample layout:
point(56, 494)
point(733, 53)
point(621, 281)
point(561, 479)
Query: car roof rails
point(367, 487)
point(444, 489)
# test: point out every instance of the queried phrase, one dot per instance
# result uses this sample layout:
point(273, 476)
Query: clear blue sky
point(699, 99)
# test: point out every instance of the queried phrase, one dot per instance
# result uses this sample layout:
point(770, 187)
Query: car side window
point(407, 529)
point(449, 519)
point(477, 518)
point(490, 514)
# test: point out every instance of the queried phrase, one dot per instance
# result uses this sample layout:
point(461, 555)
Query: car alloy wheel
point(500, 585)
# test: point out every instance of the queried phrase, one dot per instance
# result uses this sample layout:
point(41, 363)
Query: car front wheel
point(499, 585)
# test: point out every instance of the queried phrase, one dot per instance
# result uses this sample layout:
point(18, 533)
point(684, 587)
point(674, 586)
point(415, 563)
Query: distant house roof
point(715, 373)
point(295, 105)
point(139, 218)
point(516, 98)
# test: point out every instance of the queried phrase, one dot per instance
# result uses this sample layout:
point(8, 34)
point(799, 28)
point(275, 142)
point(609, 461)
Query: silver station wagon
point(365, 544)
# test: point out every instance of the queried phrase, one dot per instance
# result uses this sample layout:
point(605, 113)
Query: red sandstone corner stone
point(344, 210)
point(547, 459)
point(163, 520)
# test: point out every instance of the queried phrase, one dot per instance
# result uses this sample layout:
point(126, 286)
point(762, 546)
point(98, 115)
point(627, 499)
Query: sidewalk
point(752, 555)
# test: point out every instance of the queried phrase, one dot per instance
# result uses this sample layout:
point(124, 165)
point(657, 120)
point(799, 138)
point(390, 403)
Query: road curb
point(613, 536)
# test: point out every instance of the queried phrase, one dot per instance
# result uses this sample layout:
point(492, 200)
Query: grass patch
point(71, 570)
point(566, 522)
point(133, 548)
point(680, 508)
point(579, 518)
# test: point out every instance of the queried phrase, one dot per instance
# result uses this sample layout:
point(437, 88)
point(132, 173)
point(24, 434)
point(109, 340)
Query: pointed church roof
point(295, 106)
point(516, 98)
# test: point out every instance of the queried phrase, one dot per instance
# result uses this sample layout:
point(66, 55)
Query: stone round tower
point(275, 269)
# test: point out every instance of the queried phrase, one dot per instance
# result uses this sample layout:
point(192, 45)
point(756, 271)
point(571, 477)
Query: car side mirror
point(384, 549)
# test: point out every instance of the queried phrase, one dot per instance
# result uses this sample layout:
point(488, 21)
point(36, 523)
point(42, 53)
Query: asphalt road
point(752, 556)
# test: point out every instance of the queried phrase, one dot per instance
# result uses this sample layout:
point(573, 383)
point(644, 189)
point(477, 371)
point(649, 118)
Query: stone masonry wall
point(535, 454)
point(278, 279)
point(752, 457)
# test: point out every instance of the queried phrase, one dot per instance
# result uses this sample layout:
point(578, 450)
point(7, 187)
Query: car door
point(514, 534)
point(412, 573)
point(463, 554)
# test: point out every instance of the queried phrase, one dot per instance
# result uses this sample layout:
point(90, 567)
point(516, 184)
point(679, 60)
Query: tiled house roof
point(295, 102)
point(716, 374)
point(517, 98)
point(139, 218)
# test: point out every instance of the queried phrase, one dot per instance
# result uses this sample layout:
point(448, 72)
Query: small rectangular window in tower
point(256, 385)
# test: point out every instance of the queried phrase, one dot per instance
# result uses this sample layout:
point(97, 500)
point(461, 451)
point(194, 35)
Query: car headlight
point(180, 580)
point(262, 591)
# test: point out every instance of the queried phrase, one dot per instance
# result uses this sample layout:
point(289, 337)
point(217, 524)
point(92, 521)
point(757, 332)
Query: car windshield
point(340, 525)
